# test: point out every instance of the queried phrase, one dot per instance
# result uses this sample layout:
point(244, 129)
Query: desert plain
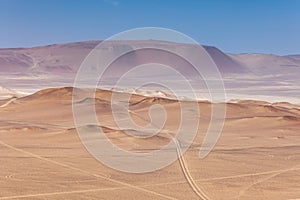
point(42, 157)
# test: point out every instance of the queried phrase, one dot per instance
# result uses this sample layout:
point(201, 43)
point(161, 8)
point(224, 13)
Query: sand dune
point(258, 151)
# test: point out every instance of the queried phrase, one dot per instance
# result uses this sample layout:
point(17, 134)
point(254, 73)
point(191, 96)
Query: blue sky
point(237, 26)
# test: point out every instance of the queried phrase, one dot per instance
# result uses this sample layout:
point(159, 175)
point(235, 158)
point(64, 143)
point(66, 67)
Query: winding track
point(199, 192)
point(8, 102)
point(187, 174)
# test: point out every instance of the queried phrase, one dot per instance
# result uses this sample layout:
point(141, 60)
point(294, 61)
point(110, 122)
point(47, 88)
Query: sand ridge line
point(87, 172)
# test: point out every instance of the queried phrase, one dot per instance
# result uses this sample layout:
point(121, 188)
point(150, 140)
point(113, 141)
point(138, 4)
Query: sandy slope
point(257, 156)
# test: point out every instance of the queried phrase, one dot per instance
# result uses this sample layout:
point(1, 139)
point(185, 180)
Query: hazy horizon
point(270, 27)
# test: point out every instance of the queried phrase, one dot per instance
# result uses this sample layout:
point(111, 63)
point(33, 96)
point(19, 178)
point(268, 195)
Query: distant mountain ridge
point(66, 58)
point(264, 77)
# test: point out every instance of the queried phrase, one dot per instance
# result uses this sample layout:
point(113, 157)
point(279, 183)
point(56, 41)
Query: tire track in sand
point(86, 172)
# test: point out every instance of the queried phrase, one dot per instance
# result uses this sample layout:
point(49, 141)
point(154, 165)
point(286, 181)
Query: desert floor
point(42, 157)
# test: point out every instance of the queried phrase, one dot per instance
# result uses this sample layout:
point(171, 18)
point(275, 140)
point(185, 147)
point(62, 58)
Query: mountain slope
point(246, 76)
point(66, 58)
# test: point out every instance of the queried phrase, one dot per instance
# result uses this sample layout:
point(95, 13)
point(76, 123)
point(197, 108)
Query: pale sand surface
point(42, 157)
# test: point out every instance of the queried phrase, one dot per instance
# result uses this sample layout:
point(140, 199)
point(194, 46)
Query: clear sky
point(237, 26)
